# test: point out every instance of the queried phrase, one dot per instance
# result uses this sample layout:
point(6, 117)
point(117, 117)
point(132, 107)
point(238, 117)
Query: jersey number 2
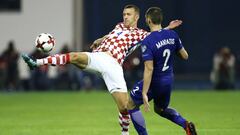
point(166, 53)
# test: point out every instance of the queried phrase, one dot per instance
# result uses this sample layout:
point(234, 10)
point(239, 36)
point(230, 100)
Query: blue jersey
point(160, 46)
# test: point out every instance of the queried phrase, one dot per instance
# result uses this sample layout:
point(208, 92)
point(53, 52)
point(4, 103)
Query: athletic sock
point(57, 59)
point(138, 121)
point(124, 120)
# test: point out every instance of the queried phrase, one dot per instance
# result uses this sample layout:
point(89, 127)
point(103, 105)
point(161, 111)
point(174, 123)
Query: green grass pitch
point(95, 113)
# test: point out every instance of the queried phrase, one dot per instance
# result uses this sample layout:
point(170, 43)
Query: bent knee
point(158, 110)
point(75, 56)
point(122, 106)
point(121, 99)
point(131, 105)
point(80, 59)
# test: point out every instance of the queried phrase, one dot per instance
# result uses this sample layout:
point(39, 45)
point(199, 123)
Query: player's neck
point(134, 25)
point(155, 28)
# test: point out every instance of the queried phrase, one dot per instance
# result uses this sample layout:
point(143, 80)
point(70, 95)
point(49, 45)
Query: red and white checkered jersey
point(121, 41)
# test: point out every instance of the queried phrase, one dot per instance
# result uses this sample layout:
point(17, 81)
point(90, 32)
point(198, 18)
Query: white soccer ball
point(45, 42)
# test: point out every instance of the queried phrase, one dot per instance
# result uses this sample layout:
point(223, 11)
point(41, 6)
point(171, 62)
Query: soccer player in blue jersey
point(158, 50)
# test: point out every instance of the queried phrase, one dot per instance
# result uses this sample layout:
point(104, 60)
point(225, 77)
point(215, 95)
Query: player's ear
point(149, 21)
point(137, 17)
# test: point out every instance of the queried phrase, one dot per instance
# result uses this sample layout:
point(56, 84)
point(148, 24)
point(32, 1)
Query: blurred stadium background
point(207, 27)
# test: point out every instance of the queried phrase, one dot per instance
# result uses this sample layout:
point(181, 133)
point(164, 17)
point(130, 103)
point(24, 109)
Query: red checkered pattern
point(120, 40)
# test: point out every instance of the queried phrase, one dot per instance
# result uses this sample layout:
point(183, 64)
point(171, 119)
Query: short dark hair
point(155, 14)
point(134, 7)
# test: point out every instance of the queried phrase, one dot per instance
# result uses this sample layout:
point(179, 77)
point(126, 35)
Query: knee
point(167, 112)
point(74, 57)
point(158, 110)
point(131, 105)
point(121, 99)
point(79, 59)
point(123, 106)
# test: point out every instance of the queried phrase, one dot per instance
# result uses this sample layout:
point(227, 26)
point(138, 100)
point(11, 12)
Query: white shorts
point(110, 70)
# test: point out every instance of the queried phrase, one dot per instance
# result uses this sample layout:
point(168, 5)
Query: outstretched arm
point(97, 42)
point(173, 24)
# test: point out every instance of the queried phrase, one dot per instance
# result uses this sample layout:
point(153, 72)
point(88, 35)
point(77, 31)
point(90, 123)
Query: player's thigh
point(161, 95)
point(136, 94)
point(117, 87)
point(114, 78)
point(79, 59)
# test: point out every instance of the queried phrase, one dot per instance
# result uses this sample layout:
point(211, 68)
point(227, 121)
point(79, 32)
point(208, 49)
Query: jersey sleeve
point(146, 51)
point(178, 43)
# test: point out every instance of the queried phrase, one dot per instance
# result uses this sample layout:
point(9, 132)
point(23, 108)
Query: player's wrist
point(167, 28)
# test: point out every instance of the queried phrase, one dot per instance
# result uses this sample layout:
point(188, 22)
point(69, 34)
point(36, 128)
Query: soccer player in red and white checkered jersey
point(107, 57)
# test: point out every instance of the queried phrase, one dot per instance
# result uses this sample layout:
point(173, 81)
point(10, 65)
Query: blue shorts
point(159, 92)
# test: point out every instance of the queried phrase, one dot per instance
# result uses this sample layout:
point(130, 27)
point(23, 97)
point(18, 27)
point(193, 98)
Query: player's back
point(160, 46)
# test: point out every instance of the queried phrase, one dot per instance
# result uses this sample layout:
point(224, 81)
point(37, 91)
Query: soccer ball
point(45, 42)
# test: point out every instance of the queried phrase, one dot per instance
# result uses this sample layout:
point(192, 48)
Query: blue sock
point(138, 121)
point(174, 116)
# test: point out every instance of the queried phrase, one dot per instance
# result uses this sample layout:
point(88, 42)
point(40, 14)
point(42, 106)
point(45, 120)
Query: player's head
point(154, 16)
point(131, 15)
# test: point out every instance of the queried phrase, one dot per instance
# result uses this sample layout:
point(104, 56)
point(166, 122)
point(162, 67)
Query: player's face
point(130, 17)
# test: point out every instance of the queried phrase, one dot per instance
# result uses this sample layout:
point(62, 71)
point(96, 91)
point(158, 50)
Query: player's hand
point(173, 24)
point(146, 103)
point(95, 44)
